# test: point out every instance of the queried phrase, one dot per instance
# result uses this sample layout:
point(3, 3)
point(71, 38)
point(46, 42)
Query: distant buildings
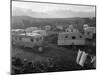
point(89, 31)
point(47, 27)
point(85, 26)
point(68, 30)
point(71, 26)
point(71, 29)
point(72, 36)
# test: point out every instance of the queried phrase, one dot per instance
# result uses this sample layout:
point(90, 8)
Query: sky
point(49, 10)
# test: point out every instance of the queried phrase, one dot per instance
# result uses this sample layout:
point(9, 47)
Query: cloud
point(44, 10)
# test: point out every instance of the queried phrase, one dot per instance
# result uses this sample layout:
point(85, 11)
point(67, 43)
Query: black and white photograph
point(52, 37)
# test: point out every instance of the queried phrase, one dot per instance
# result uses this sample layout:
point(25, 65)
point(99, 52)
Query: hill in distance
point(27, 21)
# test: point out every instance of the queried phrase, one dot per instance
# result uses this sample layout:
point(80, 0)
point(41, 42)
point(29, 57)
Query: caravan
point(71, 38)
point(27, 40)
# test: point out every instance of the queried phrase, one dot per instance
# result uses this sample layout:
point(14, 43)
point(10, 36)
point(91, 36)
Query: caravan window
point(40, 38)
point(80, 36)
point(16, 38)
point(19, 38)
point(26, 39)
point(31, 40)
point(66, 36)
point(37, 39)
point(73, 37)
point(88, 33)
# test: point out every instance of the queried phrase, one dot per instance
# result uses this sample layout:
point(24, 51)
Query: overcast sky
point(56, 10)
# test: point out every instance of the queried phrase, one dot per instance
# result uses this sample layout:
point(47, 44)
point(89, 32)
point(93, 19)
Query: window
point(16, 38)
point(72, 43)
point(73, 37)
point(80, 36)
point(94, 36)
point(40, 38)
point(88, 33)
point(19, 38)
point(31, 40)
point(37, 39)
point(66, 36)
point(67, 30)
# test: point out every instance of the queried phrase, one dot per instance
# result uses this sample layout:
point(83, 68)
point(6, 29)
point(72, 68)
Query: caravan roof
point(30, 29)
point(17, 30)
point(31, 35)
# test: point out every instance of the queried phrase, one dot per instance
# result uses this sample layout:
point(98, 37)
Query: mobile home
point(47, 27)
point(17, 31)
point(27, 40)
point(89, 32)
point(71, 38)
point(30, 29)
point(41, 32)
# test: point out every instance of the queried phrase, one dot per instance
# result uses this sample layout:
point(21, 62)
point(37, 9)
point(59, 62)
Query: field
point(61, 58)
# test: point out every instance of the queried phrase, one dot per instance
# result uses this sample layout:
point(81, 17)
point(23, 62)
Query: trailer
point(71, 38)
point(17, 31)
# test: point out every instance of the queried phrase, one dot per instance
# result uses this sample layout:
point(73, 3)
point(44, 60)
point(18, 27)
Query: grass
point(50, 51)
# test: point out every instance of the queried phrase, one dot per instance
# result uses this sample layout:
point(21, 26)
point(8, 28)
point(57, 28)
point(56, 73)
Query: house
point(71, 29)
point(68, 30)
point(27, 40)
point(71, 38)
point(89, 31)
point(87, 28)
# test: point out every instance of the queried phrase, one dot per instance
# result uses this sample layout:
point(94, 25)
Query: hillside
point(26, 21)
